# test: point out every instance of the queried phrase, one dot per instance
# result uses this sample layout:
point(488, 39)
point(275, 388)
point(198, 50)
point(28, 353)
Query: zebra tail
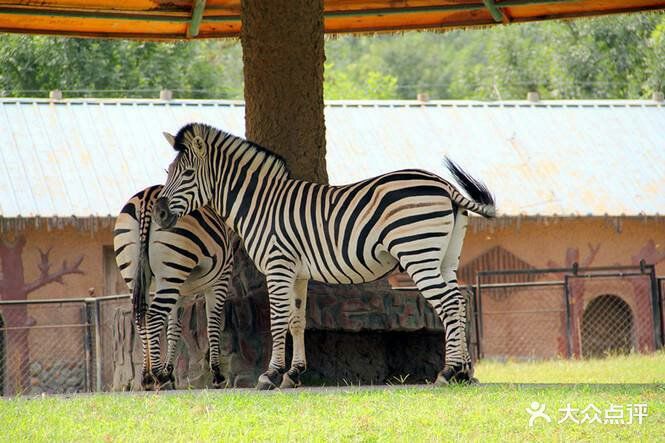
point(482, 200)
point(143, 273)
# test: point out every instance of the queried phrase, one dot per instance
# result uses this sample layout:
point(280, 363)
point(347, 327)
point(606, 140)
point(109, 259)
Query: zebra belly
point(337, 273)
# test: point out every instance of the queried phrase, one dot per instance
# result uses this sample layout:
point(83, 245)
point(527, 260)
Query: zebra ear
point(169, 138)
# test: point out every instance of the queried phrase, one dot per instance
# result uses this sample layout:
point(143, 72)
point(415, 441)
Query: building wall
point(539, 243)
point(46, 342)
point(552, 242)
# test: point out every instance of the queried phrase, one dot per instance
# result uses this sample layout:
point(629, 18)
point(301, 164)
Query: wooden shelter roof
point(179, 19)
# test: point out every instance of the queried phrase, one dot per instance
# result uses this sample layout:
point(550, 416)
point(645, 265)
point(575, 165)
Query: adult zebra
point(295, 231)
point(194, 256)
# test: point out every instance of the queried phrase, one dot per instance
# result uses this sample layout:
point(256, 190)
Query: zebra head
point(188, 185)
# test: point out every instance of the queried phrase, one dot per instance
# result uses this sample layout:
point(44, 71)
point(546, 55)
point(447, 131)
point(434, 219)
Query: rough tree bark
point(283, 55)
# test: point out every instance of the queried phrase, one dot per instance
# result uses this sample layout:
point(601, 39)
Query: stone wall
point(356, 334)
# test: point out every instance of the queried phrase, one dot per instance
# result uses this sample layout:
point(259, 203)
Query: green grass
point(490, 412)
point(637, 368)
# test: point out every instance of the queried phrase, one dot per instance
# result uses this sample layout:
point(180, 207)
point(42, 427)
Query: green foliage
point(609, 57)
point(32, 65)
point(356, 83)
point(619, 56)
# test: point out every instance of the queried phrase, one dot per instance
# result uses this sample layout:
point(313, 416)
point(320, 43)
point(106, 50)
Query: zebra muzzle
point(162, 214)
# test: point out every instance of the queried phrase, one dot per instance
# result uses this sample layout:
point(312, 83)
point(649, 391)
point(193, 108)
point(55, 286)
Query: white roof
point(86, 157)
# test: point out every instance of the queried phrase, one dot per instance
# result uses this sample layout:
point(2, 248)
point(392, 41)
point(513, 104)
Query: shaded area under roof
point(162, 19)
point(87, 157)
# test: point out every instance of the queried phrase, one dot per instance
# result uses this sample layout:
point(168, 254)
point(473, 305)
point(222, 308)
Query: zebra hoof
point(288, 382)
point(265, 384)
point(165, 379)
point(445, 377)
point(268, 380)
point(149, 382)
point(218, 381)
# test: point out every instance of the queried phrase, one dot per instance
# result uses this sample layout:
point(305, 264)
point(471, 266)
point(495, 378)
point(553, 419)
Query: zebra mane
point(203, 130)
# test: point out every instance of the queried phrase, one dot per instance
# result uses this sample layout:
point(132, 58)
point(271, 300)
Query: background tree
point(619, 57)
point(33, 65)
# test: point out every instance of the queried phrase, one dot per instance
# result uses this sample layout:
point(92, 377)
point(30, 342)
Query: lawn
point(637, 368)
point(485, 412)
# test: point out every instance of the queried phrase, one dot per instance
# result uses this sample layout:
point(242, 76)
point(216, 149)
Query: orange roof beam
point(197, 16)
point(221, 18)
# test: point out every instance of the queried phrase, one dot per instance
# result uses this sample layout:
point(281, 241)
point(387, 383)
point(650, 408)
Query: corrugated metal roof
point(86, 157)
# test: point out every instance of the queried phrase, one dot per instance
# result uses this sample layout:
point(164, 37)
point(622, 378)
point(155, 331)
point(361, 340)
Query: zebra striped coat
point(296, 230)
point(193, 257)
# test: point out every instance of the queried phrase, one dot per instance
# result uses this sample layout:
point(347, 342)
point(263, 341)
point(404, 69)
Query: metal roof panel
point(86, 157)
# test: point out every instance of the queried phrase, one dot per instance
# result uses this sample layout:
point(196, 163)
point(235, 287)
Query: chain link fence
point(568, 313)
point(89, 344)
point(46, 346)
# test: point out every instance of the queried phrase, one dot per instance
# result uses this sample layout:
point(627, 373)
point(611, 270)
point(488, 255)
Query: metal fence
point(80, 345)
point(536, 314)
point(57, 346)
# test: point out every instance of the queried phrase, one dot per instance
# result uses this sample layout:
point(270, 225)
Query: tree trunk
point(283, 55)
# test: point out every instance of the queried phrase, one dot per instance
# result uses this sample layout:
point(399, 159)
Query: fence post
point(655, 303)
point(479, 317)
point(87, 343)
point(569, 331)
point(98, 346)
point(93, 322)
point(474, 299)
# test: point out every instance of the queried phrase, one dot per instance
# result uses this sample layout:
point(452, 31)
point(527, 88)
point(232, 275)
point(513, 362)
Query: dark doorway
point(372, 357)
point(607, 327)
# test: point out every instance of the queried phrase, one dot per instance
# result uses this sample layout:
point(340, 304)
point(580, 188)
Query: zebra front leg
point(280, 286)
point(297, 323)
point(215, 300)
point(173, 333)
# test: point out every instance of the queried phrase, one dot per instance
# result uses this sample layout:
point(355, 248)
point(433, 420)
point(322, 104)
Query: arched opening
point(607, 327)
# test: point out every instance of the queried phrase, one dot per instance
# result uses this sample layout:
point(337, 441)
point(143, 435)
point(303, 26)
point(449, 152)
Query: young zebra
point(296, 231)
point(194, 256)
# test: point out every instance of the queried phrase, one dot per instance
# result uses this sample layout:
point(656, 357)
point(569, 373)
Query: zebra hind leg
point(291, 378)
point(215, 300)
point(148, 379)
point(160, 309)
point(457, 309)
point(166, 378)
point(444, 297)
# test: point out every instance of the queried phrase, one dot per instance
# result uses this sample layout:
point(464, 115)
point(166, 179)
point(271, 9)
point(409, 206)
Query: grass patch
point(636, 368)
point(412, 413)
point(489, 412)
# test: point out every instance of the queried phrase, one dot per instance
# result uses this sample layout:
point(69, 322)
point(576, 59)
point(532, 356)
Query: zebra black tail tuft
point(143, 273)
point(476, 189)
